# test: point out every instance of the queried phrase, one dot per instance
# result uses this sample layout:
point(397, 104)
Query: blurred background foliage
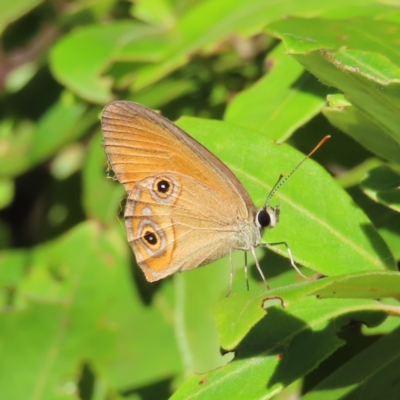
point(78, 320)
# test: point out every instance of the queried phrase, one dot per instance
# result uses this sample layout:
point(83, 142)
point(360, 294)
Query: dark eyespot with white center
point(163, 187)
point(150, 238)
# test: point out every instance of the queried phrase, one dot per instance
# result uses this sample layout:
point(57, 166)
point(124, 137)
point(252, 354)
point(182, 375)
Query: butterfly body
point(185, 208)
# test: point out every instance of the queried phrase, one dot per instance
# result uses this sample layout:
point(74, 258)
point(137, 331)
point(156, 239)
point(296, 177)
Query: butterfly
point(185, 208)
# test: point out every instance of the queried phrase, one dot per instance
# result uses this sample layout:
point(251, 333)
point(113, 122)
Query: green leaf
point(13, 264)
point(371, 374)
point(382, 184)
point(280, 102)
point(163, 92)
point(195, 329)
point(361, 128)
point(239, 313)
point(353, 176)
point(7, 189)
point(156, 12)
point(386, 220)
point(15, 144)
point(63, 123)
point(84, 309)
point(362, 61)
point(79, 60)
point(324, 229)
point(11, 11)
point(281, 348)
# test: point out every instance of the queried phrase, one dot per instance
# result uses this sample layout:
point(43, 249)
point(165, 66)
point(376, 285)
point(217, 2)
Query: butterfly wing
point(173, 225)
point(194, 229)
point(139, 143)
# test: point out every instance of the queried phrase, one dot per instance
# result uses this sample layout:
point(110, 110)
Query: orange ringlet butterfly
point(185, 207)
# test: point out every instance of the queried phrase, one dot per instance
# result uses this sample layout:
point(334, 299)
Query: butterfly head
point(267, 217)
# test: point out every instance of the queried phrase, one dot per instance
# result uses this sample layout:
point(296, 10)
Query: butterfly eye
point(263, 218)
point(268, 217)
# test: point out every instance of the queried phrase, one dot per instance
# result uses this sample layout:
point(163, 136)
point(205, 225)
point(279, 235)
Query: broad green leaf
point(13, 264)
point(391, 323)
point(323, 228)
point(163, 92)
point(353, 177)
point(390, 231)
point(79, 60)
point(384, 219)
point(362, 128)
point(371, 374)
point(63, 123)
point(280, 102)
point(281, 348)
point(96, 316)
point(11, 11)
point(342, 34)
point(155, 12)
point(195, 328)
point(360, 57)
point(7, 189)
point(382, 184)
point(239, 313)
point(15, 144)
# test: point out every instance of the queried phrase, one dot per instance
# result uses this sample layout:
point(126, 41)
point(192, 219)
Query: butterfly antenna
point(282, 178)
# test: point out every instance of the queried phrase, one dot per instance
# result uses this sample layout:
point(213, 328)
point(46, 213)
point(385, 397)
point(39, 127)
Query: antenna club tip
point(282, 178)
point(324, 139)
point(321, 142)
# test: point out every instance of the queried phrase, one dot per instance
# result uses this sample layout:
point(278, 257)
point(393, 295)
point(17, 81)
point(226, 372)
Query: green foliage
point(79, 321)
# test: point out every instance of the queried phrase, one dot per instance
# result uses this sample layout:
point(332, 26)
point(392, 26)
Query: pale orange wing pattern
point(140, 143)
point(192, 225)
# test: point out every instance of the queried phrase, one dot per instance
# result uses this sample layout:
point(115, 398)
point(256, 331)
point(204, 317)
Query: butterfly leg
point(245, 270)
point(290, 256)
point(259, 268)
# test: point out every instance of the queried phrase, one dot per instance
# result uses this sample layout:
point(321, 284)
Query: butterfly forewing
point(140, 143)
